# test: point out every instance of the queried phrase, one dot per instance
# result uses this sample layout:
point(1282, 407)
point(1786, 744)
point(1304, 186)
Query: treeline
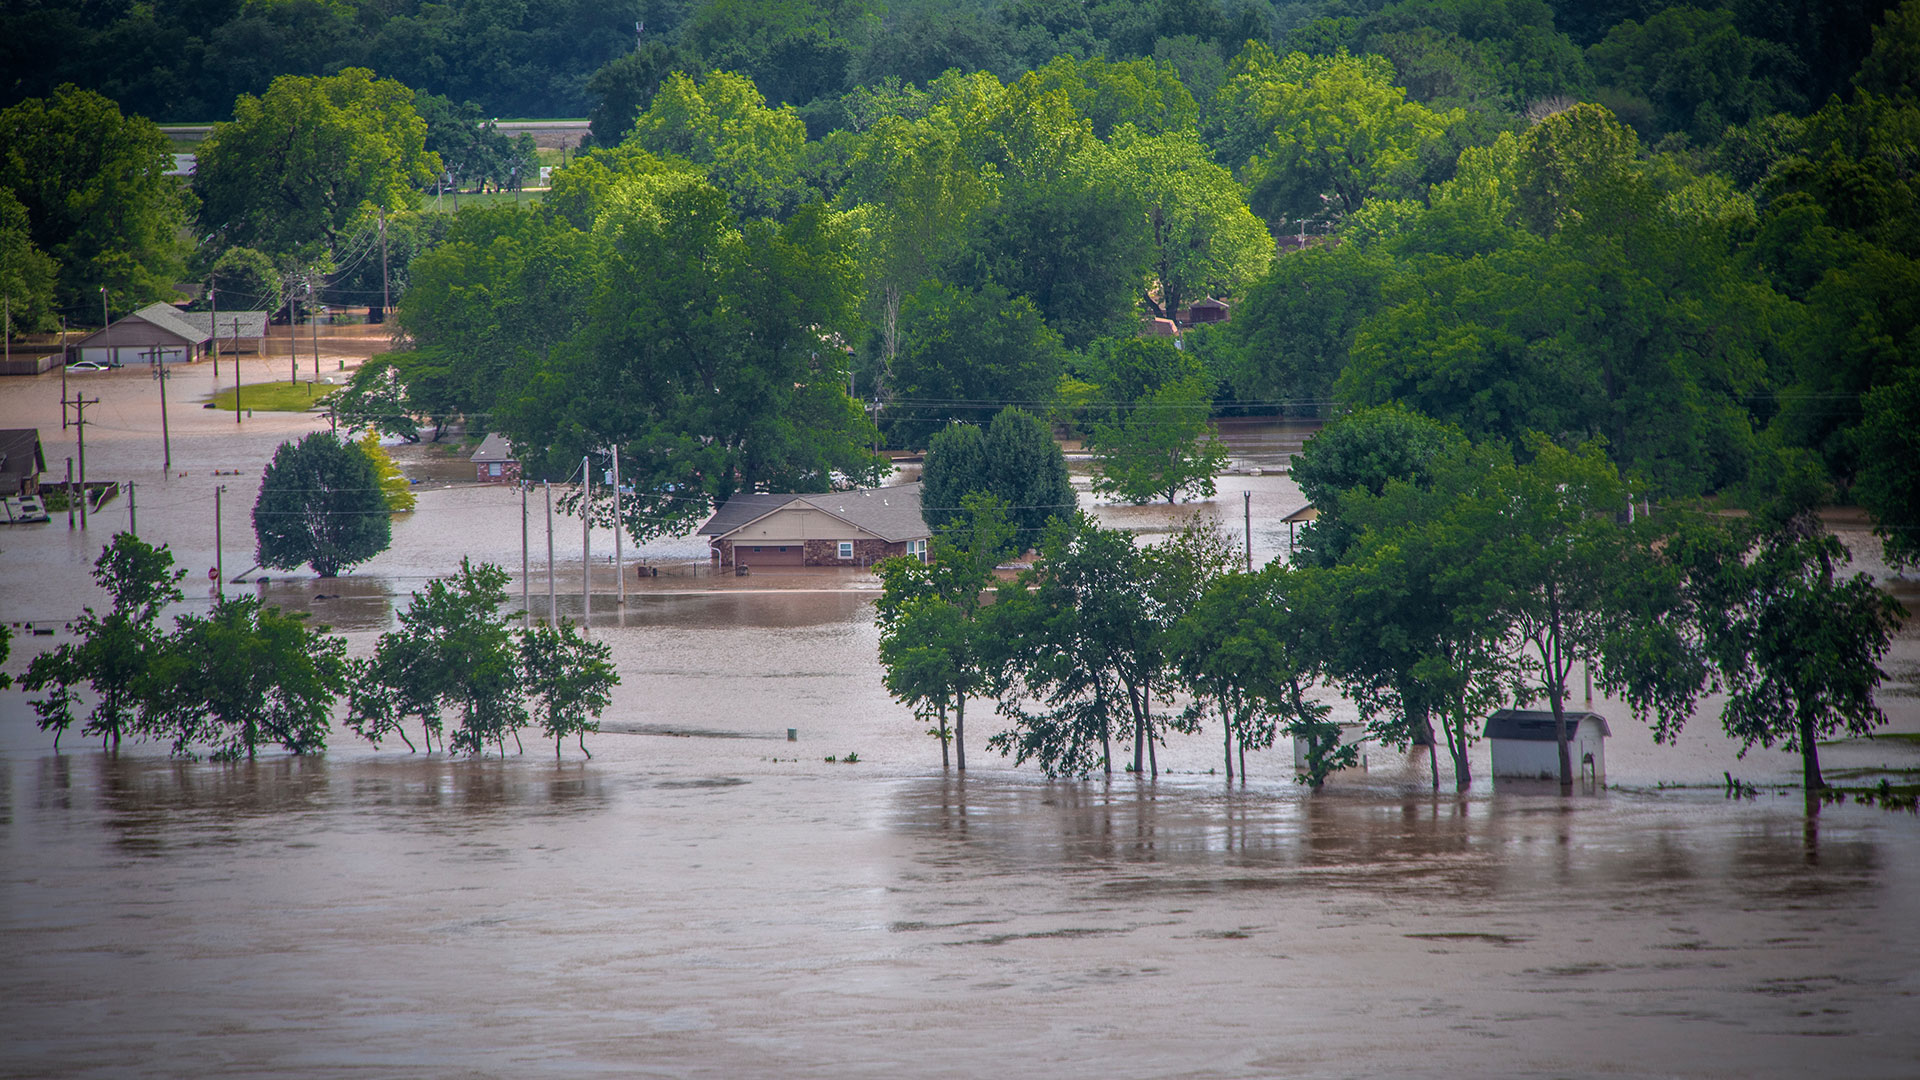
point(1676, 68)
point(1444, 578)
point(247, 677)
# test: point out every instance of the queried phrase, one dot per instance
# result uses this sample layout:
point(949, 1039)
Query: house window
point(493, 469)
point(846, 549)
point(917, 549)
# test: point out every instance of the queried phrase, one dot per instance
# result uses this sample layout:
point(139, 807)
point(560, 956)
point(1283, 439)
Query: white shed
point(1525, 746)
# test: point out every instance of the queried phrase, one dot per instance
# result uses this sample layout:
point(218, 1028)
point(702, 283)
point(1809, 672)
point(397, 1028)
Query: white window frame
point(846, 549)
point(917, 549)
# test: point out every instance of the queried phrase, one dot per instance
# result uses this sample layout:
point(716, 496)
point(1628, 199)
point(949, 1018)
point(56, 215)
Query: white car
point(88, 365)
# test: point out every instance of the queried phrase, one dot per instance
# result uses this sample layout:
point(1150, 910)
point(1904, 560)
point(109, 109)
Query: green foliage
point(115, 654)
point(963, 353)
point(625, 87)
point(1161, 447)
point(320, 503)
point(393, 483)
point(97, 203)
point(1015, 460)
point(452, 652)
point(568, 680)
point(1691, 71)
point(244, 280)
point(1205, 241)
point(246, 676)
point(1888, 441)
point(27, 274)
point(723, 123)
point(313, 156)
point(1294, 326)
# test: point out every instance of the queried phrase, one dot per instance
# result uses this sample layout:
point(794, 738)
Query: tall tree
point(320, 503)
point(1205, 239)
point(569, 681)
point(1161, 447)
point(245, 676)
point(966, 353)
point(722, 122)
point(1013, 459)
point(114, 654)
point(452, 651)
point(97, 198)
point(305, 162)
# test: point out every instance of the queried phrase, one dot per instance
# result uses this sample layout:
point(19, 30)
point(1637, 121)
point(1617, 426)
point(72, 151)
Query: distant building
point(494, 462)
point(162, 333)
point(1525, 746)
point(21, 461)
point(1208, 310)
point(840, 528)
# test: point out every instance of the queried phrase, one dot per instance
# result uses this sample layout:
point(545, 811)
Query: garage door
point(771, 554)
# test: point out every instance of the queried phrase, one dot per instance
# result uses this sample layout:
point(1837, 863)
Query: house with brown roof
point(839, 528)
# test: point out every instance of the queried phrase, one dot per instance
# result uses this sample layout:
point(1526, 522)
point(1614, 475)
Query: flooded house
point(21, 461)
point(494, 463)
point(162, 333)
point(1525, 746)
point(837, 528)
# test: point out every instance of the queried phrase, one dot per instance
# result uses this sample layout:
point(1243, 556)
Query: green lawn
point(274, 396)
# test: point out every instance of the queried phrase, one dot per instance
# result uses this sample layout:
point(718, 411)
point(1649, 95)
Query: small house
point(494, 462)
point(840, 528)
point(1525, 746)
point(21, 461)
point(1208, 310)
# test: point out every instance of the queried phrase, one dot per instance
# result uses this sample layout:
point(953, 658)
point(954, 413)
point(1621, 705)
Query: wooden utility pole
point(63, 410)
point(293, 343)
point(133, 511)
point(526, 600)
point(553, 596)
point(80, 426)
point(63, 375)
point(219, 552)
point(313, 320)
point(1246, 498)
point(157, 358)
point(213, 324)
point(386, 301)
point(236, 370)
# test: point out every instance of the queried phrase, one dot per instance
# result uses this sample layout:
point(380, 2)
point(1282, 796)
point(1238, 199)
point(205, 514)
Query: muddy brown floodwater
point(705, 898)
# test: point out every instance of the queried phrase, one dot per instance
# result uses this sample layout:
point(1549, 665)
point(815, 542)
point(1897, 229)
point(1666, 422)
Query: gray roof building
point(890, 513)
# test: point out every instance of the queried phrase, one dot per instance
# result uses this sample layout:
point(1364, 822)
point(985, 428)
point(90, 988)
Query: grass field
point(274, 397)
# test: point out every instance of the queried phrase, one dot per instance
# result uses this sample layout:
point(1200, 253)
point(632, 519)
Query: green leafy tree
point(1691, 70)
point(114, 654)
point(1364, 452)
point(1205, 239)
point(454, 652)
point(1293, 327)
point(1315, 137)
point(1014, 459)
point(1800, 644)
point(245, 280)
point(937, 650)
point(394, 487)
point(320, 503)
point(1084, 649)
point(304, 163)
point(246, 676)
point(568, 680)
point(624, 88)
point(27, 274)
point(966, 352)
point(97, 198)
point(722, 122)
point(1164, 446)
point(1889, 479)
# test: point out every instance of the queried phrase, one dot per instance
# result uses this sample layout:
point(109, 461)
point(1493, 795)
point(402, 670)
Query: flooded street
point(706, 898)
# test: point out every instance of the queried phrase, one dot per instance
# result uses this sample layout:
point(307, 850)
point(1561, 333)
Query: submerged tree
point(453, 651)
point(115, 654)
point(321, 503)
point(569, 680)
point(246, 676)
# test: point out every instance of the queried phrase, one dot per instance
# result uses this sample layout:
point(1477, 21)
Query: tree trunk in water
point(1556, 690)
point(1139, 731)
point(940, 712)
point(960, 733)
point(1226, 737)
point(583, 745)
point(402, 732)
point(1809, 756)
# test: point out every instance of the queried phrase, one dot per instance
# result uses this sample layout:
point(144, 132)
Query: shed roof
point(493, 448)
point(1308, 512)
point(20, 456)
point(173, 320)
point(891, 513)
point(1536, 725)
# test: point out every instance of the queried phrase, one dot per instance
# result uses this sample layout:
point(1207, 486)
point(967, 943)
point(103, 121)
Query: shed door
point(771, 554)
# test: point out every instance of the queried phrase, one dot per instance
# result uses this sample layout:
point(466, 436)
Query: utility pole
point(133, 511)
point(219, 553)
point(158, 358)
point(104, 320)
point(293, 343)
point(1246, 497)
point(386, 299)
point(9, 329)
point(313, 320)
point(526, 601)
point(63, 410)
point(619, 563)
point(236, 370)
point(80, 425)
point(553, 597)
point(63, 375)
point(213, 324)
point(586, 545)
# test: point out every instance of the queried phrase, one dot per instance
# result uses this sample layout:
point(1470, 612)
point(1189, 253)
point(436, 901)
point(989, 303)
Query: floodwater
point(706, 898)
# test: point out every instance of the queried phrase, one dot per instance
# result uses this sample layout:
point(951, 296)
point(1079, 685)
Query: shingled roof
point(1536, 725)
point(891, 513)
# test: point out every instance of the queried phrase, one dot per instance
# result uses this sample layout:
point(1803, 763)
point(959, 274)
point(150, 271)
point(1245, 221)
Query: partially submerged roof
point(172, 320)
point(249, 323)
point(1308, 512)
point(20, 456)
point(1536, 725)
point(891, 513)
point(493, 448)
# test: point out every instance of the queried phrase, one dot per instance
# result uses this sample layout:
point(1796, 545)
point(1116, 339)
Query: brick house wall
point(509, 472)
point(822, 552)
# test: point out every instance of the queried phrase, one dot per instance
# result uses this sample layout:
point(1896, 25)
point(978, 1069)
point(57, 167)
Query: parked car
point(88, 365)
